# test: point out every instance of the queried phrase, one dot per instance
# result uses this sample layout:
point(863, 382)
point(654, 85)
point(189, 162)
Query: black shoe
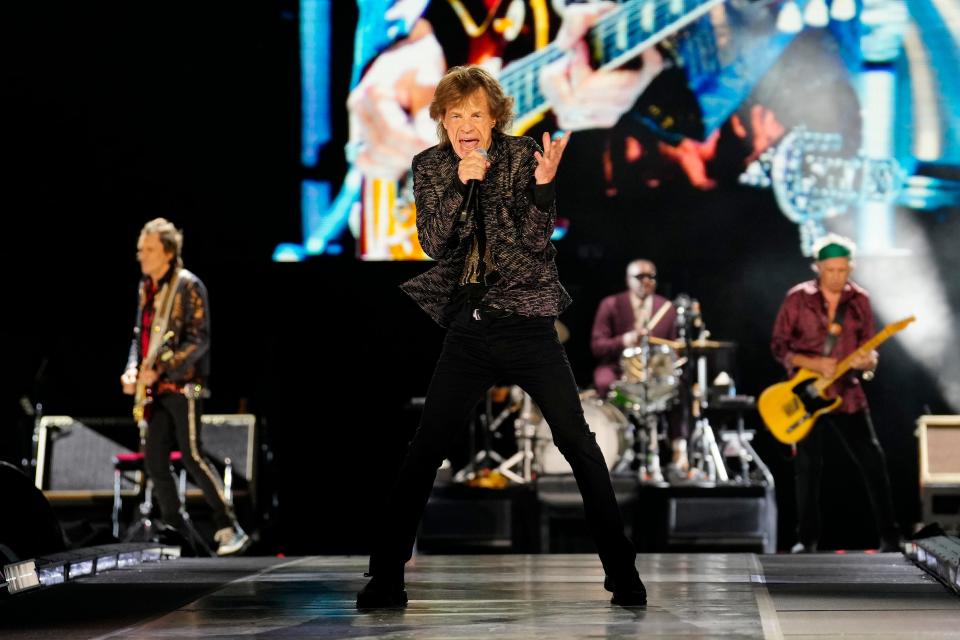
point(631, 593)
point(380, 594)
point(170, 536)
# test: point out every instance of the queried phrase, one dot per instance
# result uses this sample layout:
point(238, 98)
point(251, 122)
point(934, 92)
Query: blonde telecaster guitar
point(790, 408)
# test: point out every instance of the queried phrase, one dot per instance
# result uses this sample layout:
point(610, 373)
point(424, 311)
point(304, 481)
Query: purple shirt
point(801, 328)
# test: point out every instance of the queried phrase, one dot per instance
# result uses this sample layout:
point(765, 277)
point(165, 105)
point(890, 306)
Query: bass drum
point(605, 420)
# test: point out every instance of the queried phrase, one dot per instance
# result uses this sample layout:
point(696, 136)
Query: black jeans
point(857, 435)
point(477, 354)
point(175, 424)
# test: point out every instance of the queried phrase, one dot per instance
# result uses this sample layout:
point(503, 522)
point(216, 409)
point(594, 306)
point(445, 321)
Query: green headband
point(833, 250)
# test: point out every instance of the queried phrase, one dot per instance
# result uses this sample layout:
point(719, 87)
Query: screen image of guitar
point(790, 409)
point(387, 227)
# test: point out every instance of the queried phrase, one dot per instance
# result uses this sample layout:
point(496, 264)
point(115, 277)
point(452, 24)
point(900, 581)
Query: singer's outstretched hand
point(549, 160)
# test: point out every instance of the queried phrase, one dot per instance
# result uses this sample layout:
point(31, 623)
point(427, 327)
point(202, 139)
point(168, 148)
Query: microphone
point(472, 186)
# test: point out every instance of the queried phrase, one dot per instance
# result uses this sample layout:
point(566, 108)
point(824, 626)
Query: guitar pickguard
point(810, 397)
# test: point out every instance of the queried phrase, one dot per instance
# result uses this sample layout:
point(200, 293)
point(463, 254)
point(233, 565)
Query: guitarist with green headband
point(820, 322)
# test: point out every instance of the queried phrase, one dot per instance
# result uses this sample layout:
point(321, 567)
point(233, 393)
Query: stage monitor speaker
point(463, 519)
point(741, 517)
point(711, 518)
point(939, 450)
point(939, 438)
point(75, 455)
point(28, 526)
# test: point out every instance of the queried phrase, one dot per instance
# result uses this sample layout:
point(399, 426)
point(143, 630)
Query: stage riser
point(459, 519)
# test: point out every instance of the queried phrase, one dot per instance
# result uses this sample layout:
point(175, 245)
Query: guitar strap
point(834, 329)
point(162, 318)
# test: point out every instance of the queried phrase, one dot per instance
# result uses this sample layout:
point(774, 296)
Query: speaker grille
point(705, 517)
point(939, 449)
point(75, 455)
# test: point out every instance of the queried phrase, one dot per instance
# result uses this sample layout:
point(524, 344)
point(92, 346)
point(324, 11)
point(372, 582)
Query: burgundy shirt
point(614, 318)
point(801, 328)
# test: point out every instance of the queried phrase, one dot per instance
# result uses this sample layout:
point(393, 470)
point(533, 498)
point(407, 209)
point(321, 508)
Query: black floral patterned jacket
point(517, 231)
point(186, 355)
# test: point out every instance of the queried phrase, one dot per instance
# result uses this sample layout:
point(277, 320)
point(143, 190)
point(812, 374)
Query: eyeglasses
point(644, 276)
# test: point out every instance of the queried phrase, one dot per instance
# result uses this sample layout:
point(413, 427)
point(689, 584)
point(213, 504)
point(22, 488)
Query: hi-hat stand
point(519, 466)
point(705, 454)
point(488, 426)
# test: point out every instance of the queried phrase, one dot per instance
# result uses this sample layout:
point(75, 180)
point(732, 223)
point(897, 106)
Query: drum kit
point(659, 376)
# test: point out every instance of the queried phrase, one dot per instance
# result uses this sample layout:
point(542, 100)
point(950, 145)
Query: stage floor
point(856, 595)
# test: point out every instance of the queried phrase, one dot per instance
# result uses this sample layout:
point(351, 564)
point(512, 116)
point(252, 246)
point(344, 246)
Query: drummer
point(621, 320)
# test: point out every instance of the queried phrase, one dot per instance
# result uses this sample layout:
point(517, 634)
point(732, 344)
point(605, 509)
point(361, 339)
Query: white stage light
point(790, 20)
point(816, 13)
point(843, 10)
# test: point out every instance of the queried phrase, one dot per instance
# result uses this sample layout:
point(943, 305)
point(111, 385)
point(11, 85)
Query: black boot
point(627, 591)
point(382, 593)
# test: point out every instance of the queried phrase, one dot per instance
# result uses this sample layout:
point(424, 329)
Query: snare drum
point(606, 422)
point(651, 377)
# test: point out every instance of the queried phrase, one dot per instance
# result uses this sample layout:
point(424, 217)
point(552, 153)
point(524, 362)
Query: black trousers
point(477, 354)
point(855, 431)
point(175, 424)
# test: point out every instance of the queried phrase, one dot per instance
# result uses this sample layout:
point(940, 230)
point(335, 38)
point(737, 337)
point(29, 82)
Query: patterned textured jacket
point(517, 231)
point(187, 357)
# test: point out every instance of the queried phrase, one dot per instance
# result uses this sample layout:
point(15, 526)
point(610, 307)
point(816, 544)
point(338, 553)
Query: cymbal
point(696, 344)
point(673, 344)
point(712, 344)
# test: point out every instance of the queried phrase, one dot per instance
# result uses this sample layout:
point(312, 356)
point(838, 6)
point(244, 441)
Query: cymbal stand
point(488, 424)
point(705, 454)
point(652, 472)
point(519, 466)
point(632, 457)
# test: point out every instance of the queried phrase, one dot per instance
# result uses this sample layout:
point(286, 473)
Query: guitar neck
point(844, 365)
point(617, 37)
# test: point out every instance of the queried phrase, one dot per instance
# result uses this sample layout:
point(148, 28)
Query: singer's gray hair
point(458, 84)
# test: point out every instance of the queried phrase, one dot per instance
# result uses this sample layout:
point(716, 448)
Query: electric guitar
point(142, 395)
point(789, 409)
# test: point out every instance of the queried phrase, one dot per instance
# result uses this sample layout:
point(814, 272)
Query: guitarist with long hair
point(820, 322)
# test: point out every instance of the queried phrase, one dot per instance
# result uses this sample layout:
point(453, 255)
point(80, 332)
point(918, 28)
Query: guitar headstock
point(901, 324)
